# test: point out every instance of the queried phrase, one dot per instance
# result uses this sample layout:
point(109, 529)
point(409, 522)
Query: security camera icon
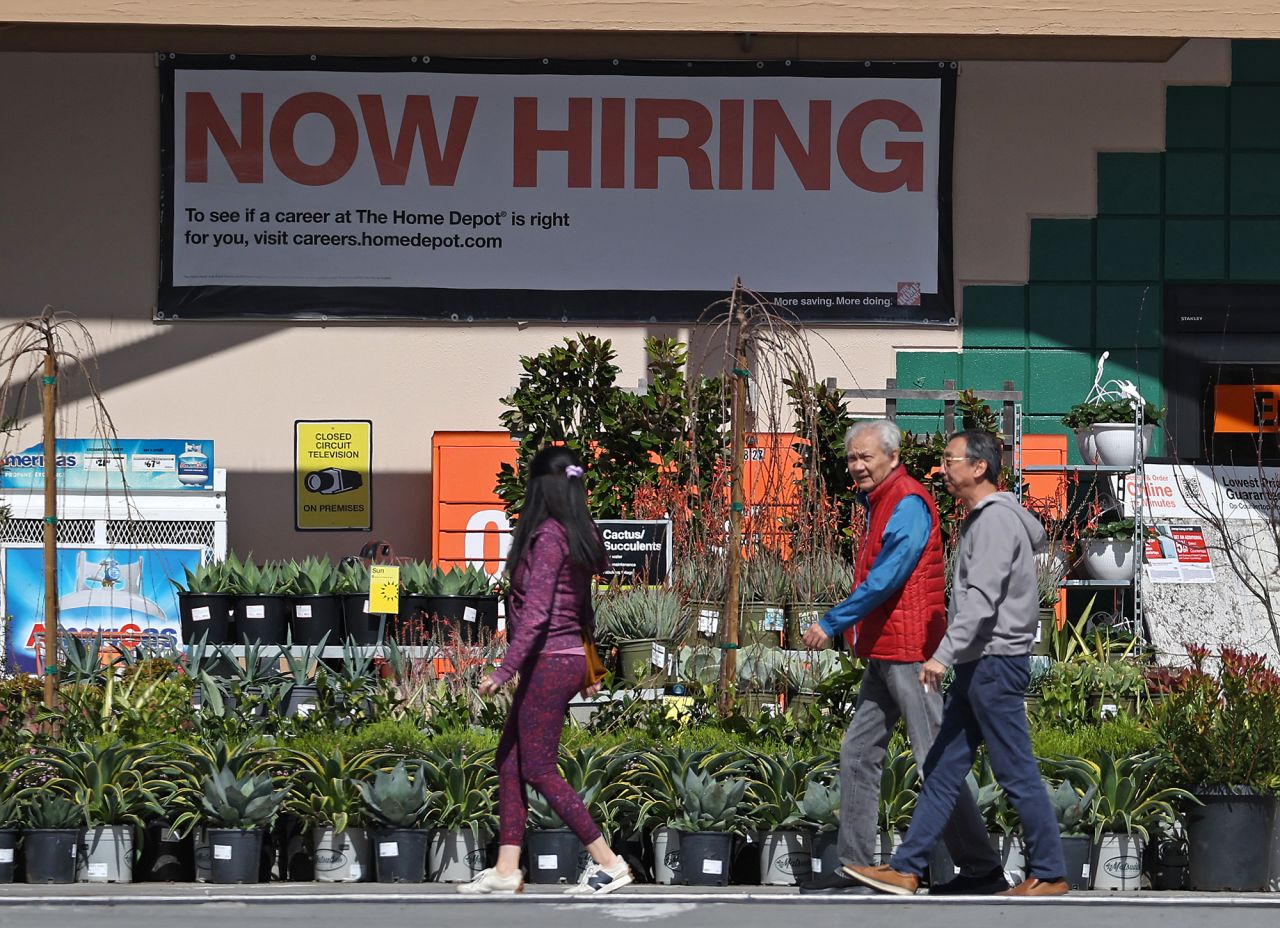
point(333, 480)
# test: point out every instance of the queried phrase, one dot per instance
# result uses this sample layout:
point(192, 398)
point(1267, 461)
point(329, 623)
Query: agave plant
point(803, 671)
point(765, 579)
point(312, 577)
point(637, 613)
point(776, 787)
point(11, 810)
point(467, 786)
point(51, 810)
point(112, 782)
point(1071, 807)
point(462, 581)
point(206, 578)
point(598, 775)
point(199, 763)
point(1129, 796)
point(82, 661)
point(701, 577)
point(899, 790)
point(302, 660)
point(326, 790)
point(243, 801)
point(820, 805)
point(399, 798)
point(759, 668)
point(352, 577)
point(418, 578)
point(822, 578)
point(710, 803)
point(248, 579)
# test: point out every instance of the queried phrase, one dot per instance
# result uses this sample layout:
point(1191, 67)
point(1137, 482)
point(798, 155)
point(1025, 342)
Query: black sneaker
point(837, 881)
point(986, 885)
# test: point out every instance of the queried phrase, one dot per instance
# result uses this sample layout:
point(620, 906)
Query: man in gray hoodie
point(991, 627)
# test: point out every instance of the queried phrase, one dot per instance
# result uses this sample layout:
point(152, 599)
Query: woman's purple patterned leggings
point(530, 745)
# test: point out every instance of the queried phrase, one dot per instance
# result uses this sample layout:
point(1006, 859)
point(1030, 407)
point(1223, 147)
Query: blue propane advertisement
point(123, 592)
point(156, 464)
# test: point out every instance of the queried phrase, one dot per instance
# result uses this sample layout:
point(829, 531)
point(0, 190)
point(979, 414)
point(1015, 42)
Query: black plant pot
point(261, 619)
point(312, 617)
point(706, 857)
point(1228, 838)
point(163, 857)
point(1077, 851)
point(400, 854)
point(414, 623)
point(486, 613)
point(825, 858)
point(235, 855)
point(553, 855)
point(51, 854)
point(8, 853)
point(300, 700)
point(1165, 860)
point(365, 628)
point(206, 615)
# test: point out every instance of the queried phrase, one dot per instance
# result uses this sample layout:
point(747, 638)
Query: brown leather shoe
point(885, 879)
point(1033, 887)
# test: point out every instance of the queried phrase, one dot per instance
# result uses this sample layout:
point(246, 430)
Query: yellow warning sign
point(333, 463)
point(384, 589)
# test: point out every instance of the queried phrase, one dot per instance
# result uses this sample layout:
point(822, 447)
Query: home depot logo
point(909, 293)
point(1246, 408)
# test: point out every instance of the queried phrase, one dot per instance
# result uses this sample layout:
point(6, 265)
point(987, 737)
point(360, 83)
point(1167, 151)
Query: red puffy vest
point(908, 626)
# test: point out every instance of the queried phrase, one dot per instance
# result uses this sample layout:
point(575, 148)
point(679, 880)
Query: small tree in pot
point(398, 802)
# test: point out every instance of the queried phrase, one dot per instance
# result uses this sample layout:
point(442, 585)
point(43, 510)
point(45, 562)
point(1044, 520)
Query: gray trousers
point(891, 691)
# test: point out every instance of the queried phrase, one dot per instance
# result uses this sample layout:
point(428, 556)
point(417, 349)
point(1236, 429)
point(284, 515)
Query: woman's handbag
point(595, 666)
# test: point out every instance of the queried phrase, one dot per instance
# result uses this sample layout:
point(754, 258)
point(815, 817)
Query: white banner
point(1181, 491)
point(820, 191)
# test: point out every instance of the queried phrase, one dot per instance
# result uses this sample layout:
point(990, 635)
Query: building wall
point(81, 169)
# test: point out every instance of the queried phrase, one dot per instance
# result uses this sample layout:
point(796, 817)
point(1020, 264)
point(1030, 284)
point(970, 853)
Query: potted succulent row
point(644, 623)
point(817, 582)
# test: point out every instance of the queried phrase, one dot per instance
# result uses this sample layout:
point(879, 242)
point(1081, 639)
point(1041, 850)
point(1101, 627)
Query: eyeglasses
point(949, 459)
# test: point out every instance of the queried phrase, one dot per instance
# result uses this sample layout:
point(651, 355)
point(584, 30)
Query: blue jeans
point(986, 703)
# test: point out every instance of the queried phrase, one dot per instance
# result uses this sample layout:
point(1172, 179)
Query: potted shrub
point(817, 582)
point(1104, 429)
point(324, 792)
point(237, 807)
point(260, 608)
point(10, 831)
point(314, 607)
point(464, 817)
point(1072, 808)
point(762, 614)
point(820, 811)
point(300, 694)
point(555, 853)
point(708, 821)
point(1222, 735)
point(658, 802)
point(701, 581)
point(205, 601)
point(51, 832)
point(398, 803)
point(1109, 549)
point(644, 622)
point(775, 789)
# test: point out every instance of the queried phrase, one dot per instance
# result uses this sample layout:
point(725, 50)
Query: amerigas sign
point(301, 188)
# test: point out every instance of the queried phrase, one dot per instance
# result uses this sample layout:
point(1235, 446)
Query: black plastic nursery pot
point(469, 616)
point(313, 617)
point(358, 624)
point(706, 857)
point(400, 854)
point(301, 699)
point(234, 855)
point(1077, 852)
point(261, 619)
point(553, 855)
point(164, 857)
point(1166, 861)
point(51, 854)
point(825, 858)
point(207, 616)
point(1228, 840)
point(8, 853)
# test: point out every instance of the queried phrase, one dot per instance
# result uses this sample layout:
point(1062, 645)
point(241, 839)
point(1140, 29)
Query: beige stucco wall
point(1190, 18)
point(81, 178)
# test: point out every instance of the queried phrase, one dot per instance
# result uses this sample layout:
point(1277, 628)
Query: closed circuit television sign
point(332, 475)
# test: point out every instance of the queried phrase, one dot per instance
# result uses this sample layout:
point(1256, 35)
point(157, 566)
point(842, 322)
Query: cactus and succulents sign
point(123, 593)
point(637, 548)
point(333, 465)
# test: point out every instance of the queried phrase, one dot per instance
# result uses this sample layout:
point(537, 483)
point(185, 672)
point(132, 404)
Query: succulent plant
point(709, 803)
point(820, 805)
point(312, 577)
point(765, 579)
point(1071, 807)
point(399, 798)
point(49, 810)
point(823, 578)
point(639, 612)
point(206, 578)
point(240, 801)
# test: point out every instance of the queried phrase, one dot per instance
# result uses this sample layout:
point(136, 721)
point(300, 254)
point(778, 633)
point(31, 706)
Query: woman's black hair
point(552, 494)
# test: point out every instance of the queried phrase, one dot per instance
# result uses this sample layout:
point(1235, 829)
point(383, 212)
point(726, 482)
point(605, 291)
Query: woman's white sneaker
point(490, 882)
point(597, 880)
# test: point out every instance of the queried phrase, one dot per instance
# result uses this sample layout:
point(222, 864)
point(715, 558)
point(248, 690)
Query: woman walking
point(555, 552)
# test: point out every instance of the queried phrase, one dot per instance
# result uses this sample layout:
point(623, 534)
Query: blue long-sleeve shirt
point(905, 537)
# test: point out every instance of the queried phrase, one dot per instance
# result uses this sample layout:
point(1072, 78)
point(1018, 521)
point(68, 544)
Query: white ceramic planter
point(1115, 442)
point(1088, 447)
point(785, 858)
point(1117, 862)
point(342, 857)
point(1106, 559)
point(666, 856)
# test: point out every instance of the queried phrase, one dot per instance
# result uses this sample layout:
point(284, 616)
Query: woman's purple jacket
point(545, 606)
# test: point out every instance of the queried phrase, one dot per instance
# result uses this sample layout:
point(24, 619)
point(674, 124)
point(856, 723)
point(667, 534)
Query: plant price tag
point(469, 614)
point(97, 871)
point(302, 612)
point(255, 612)
point(1085, 871)
point(200, 614)
point(658, 656)
point(817, 865)
point(548, 861)
point(365, 608)
point(708, 621)
point(6, 855)
point(357, 871)
point(222, 852)
point(388, 849)
point(713, 867)
point(773, 619)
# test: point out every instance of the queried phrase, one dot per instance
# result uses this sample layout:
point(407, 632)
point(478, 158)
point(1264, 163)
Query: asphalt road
point(313, 906)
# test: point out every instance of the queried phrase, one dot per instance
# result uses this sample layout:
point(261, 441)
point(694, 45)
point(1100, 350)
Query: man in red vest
point(894, 620)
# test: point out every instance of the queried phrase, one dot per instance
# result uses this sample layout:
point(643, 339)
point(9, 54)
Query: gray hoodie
point(995, 600)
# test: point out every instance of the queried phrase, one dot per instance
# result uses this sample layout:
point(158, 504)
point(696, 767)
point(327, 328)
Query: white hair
point(889, 434)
